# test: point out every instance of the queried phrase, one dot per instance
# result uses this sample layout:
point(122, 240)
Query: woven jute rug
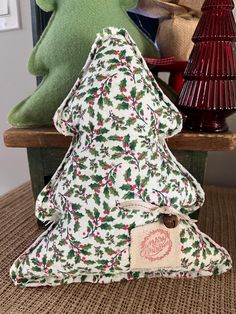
point(18, 229)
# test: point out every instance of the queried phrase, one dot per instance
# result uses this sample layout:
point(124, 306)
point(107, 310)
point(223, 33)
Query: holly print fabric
point(94, 246)
point(119, 119)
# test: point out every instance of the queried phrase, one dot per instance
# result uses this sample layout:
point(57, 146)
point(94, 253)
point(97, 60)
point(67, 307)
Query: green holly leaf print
point(131, 121)
point(112, 67)
point(70, 170)
point(196, 253)
point(173, 200)
point(109, 251)
point(109, 219)
point(145, 181)
point(106, 207)
point(123, 106)
point(183, 240)
point(100, 77)
point(140, 94)
point(76, 226)
point(133, 92)
point(91, 111)
point(196, 262)
point(104, 164)
point(107, 101)
point(92, 90)
point(129, 195)
point(106, 192)
point(62, 242)
point(113, 60)
point(178, 119)
point(117, 149)
point(87, 246)
point(123, 237)
point(44, 260)
point(110, 52)
point(99, 240)
point(36, 268)
point(126, 187)
point(93, 152)
point(89, 98)
point(162, 126)
point(71, 254)
point(96, 199)
point(127, 139)
point(97, 178)
point(127, 174)
point(187, 250)
point(227, 262)
point(27, 261)
point(84, 178)
point(89, 214)
point(120, 97)
point(100, 118)
point(39, 250)
point(13, 275)
point(138, 180)
point(100, 138)
point(115, 138)
point(96, 213)
point(208, 251)
point(119, 226)
point(75, 206)
point(77, 259)
point(133, 145)
point(35, 261)
point(103, 130)
point(102, 262)
point(123, 85)
point(100, 102)
point(105, 226)
point(128, 59)
point(113, 191)
point(142, 155)
point(196, 244)
point(85, 252)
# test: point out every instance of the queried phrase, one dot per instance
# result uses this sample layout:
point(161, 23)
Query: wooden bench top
point(48, 137)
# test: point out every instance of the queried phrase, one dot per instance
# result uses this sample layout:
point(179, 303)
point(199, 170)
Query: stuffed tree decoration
point(62, 51)
point(119, 202)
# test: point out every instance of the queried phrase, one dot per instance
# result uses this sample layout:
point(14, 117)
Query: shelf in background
point(49, 137)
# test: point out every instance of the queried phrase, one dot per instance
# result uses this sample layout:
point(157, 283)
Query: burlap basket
point(176, 28)
point(195, 5)
point(175, 37)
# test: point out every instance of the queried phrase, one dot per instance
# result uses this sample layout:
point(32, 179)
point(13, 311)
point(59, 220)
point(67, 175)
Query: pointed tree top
point(218, 3)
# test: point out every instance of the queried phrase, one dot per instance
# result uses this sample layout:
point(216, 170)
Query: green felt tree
point(63, 48)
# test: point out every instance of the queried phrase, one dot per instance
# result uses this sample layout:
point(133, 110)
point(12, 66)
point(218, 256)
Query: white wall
point(15, 84)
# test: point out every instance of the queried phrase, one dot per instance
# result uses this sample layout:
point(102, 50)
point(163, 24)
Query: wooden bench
point(46, 148)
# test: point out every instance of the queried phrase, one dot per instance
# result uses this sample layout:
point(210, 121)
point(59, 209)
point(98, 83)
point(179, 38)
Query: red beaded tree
point(208, 95)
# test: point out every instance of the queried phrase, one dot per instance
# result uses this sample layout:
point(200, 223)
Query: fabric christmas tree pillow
point(119, 199)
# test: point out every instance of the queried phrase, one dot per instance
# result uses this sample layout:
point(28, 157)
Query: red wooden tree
point(208, 95)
